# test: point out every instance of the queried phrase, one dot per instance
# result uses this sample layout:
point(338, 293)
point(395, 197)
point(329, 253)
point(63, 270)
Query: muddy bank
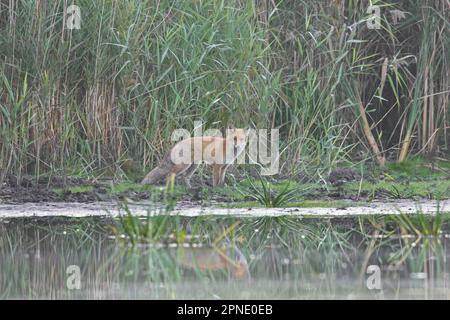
point(341, 184)
point(28, 190)
point(54, 209)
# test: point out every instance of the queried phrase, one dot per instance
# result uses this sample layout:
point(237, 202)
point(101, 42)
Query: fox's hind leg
point(178, 169)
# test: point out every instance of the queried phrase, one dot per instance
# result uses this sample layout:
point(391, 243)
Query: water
point(224, 258)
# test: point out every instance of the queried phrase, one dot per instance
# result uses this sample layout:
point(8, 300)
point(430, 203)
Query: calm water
point(219, 258)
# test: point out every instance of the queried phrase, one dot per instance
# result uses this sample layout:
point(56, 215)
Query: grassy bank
point(415, 179)
point(104, 99)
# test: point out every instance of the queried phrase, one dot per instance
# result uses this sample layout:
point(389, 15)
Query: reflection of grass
point(154, 226)
point(423, 252)
point(413, 241)
point(34, 254)
point(134, 229)
point(420, 224)
point(300, 204)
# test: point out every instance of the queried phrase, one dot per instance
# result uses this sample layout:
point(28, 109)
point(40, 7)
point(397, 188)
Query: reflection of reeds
point(417, 245)
point(88, 99)
point(214, 256)
point(424, 252)
point(219, 255)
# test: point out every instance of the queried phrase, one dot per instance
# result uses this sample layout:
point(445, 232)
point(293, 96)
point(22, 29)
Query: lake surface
point(217, 257)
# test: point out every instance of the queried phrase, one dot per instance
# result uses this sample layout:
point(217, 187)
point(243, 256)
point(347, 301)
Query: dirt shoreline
point(54, 209)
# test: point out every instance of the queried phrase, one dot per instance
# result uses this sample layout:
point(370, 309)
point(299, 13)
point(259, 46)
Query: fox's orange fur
point(216, 151)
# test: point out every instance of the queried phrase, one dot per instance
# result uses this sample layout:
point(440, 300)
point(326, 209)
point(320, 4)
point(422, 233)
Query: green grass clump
point(270, 198)
point(419, 169)
point(439, 189)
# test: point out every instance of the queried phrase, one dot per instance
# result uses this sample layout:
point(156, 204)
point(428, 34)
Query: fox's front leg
point(188, 174)
point(223, 170)
point(216, 175)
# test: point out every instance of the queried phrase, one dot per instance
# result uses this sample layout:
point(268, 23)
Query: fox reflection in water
point(214, 259)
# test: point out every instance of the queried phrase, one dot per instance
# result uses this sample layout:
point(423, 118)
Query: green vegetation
point(413, 179)
point(401, 190)
point(419, 169)
point(85, 102)
point(75, 189)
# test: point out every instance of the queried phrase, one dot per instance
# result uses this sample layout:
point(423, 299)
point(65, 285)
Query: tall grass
point(86, 101)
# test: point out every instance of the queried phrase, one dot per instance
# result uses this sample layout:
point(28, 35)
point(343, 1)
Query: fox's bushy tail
point(160, 172)
point(155, 175)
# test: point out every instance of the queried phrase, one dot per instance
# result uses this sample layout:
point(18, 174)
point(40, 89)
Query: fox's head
point(238, 138)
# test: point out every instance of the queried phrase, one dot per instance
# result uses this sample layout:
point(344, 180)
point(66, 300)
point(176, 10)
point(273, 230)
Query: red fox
point(185, 157)
point(218, 258)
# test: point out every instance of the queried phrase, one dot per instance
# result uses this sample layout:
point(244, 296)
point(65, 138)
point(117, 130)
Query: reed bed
point(88, 101)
